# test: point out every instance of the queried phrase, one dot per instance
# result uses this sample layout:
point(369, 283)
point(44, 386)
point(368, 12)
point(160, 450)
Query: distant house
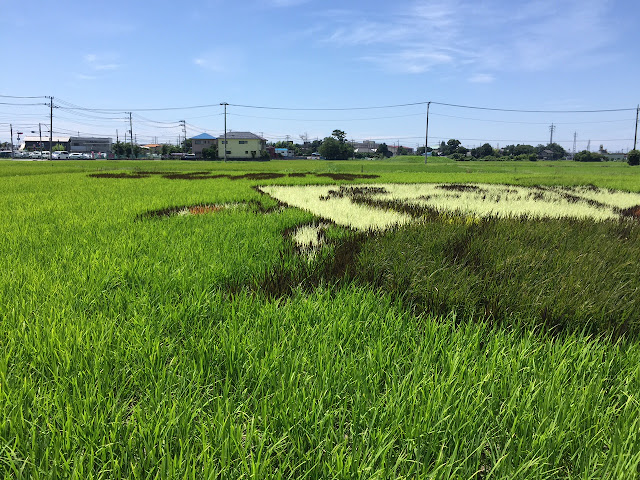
point(616, 157)
point(366, 147)
point(394, 149)
point(153, 148)
point(283, 152)
point(200, 142)
point(241, 145)
point(546, 155)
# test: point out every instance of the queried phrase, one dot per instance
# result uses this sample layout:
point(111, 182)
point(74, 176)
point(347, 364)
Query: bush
point(633, 158)
point(586, 156)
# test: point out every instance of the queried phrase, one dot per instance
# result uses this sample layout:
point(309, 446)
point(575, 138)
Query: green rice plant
point(560, 274)
point(137, 346)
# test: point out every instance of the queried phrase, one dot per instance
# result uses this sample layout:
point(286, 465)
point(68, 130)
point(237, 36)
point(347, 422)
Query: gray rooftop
point(241, 136)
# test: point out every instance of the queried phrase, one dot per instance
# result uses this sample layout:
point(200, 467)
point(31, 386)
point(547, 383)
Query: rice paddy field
point(320, 320)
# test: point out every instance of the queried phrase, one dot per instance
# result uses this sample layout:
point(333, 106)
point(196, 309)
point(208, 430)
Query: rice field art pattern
point(381, 206)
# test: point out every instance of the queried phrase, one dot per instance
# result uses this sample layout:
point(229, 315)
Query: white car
point(60, 155)
point(75, 156)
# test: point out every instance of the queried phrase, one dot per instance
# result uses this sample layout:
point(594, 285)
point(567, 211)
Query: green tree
point(558, 151)
point(57, 148)
point(485, 150)
point(524, 149)
point(383, 150)
point(586, 156)
point(452, 146)
point(633, 157)
point(339, 135)
point(333, 149)
point(210, 153)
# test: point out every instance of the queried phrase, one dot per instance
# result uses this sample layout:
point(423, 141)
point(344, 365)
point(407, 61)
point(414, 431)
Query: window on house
point(198, 142)
point(228, 152)
point(243, 142)
point(246, 152)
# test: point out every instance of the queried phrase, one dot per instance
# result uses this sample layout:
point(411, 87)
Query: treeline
point(454, 149)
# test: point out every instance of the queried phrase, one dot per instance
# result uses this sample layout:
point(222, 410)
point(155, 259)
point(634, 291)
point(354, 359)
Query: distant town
point(235, 145)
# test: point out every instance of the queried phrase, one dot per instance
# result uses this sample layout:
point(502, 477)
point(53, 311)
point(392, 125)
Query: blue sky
point(312, 54)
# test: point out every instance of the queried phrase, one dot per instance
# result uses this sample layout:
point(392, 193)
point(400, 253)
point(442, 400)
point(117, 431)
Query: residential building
point(283, 152)
point(367, 147)
point(153, 148)
point(241, 145)
point(200, 142)
point(546, 154)
point(615, 157)
point(394, 149)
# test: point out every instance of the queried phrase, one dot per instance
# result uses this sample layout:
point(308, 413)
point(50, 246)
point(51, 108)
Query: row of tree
point(454, 148)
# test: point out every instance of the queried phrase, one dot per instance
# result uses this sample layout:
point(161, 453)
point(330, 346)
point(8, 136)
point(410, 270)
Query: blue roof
point(203, 136)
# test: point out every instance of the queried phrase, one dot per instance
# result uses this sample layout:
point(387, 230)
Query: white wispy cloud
point(492, 36)
point(481, 78)
point(82, 76)
point(221, 60)
point(102, 62)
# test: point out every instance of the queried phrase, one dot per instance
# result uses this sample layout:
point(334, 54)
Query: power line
point(399, 105)
point(533, 111)
point(19, 96)
point(22, 104)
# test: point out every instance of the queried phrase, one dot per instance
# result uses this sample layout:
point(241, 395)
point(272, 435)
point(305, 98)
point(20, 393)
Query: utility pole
point(11, 128)
point(552, 129)
point(635, 138)
point(575, 137)
point(131, 135)
point(51, 128)
point(225, 129)
point(426, 136)
point(117, 138)
point(40, 131)
point(184, 128)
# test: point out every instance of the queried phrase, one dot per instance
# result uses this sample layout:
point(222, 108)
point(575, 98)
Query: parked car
point(60, 155)
point(75, 156)
point(44, 154)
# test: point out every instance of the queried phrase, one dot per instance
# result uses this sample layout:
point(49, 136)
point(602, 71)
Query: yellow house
point(241, 145)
